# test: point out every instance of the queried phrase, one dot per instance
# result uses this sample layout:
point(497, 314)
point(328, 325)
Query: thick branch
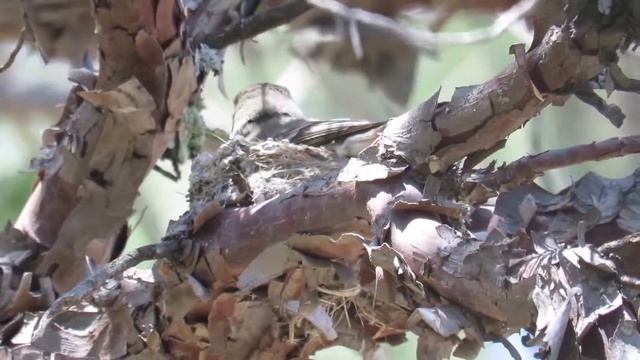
point(97, 157)
point(479, 117)
point(246, 232)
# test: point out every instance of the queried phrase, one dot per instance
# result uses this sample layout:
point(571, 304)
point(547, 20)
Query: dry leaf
point(318, 317)
point(131, 96)
point(294, 285)
point(450, 209)
point(348, 247)
point(446, 320)
point(268, 265)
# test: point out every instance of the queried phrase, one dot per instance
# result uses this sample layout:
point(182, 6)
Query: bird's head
point(262, 101)
point(260, 90)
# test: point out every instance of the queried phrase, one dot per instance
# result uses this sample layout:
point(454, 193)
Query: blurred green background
point(30, 92)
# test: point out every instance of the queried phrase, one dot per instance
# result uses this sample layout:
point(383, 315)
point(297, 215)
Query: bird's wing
point(317, 133)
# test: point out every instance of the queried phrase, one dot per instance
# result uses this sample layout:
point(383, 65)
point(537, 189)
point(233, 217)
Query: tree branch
point(99, 179)
point(479, 117)
point(84, 290)
point(423, 39)
point(14, 52)
point(257, 24)
point(617, 244)
point(112, 270)
point(528, 168)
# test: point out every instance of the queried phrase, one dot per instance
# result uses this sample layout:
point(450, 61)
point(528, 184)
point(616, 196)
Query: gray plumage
point(266, 111)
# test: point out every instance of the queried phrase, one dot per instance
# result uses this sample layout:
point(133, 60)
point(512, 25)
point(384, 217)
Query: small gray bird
point(266, 111)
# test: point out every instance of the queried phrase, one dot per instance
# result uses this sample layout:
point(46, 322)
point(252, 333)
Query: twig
point(257, 24)
point(119, 266)
point(83, 290)
point(139, 221)
point(14, 53)
point(631, 281)
point(423, 39)
point(356, 41)
point(528, 168)
point(613, 245)
point(167, 174)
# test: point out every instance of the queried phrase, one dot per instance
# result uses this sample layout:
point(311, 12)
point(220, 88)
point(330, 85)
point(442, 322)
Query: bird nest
point(242, 172)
